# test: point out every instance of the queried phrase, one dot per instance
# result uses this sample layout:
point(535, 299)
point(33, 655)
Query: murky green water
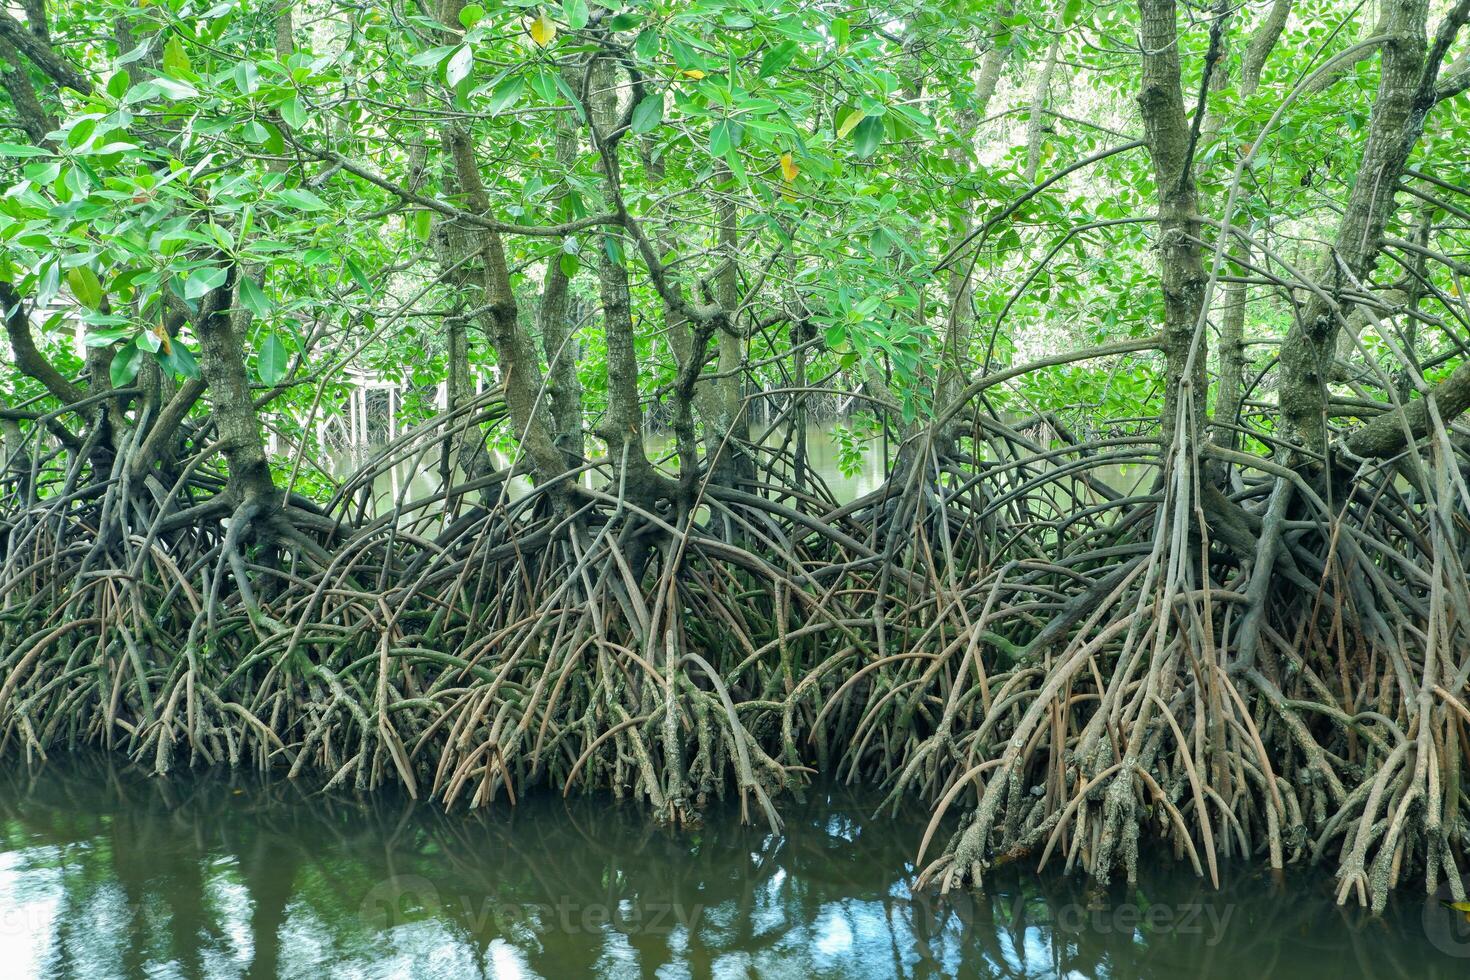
point(107, 873)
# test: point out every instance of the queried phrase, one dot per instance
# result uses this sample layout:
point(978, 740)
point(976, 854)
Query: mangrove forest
point(1047, 415)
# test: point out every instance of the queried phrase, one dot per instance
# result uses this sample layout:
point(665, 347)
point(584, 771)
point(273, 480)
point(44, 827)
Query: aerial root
point(1065, 672)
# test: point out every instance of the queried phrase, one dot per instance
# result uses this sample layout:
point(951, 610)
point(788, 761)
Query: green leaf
point(648, 114)
point(138, 52)
point(253, 298)
point(575, 12)
point(17, 150)
point(247, 77)
point(265, 133)
point(613, 248)
point(203, 280)
point(78, 134)
point(685, 56)
point(180, 360)
point(849, 123)
point(85, 286)
point(725, 136)
point(270, 363)
point(868, 136)
point(433, 56)
point(173, 88)
point(293, 112)
point(506, 94)
point(175, 58)
point(358, 276)
point(777, 58)
point(125, 365)
point(50, 284)
point(118, 84)
point(459, 65)
point(106, 338)
point(1070, 12)
point(471, 15)
point(107, 149)
point(880, 243)
point(646, 46)
point(302, 199)
point(737, 167)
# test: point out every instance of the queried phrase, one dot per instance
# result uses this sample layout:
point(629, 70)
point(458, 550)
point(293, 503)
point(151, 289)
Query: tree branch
point(30, 360)
point(1390, 432)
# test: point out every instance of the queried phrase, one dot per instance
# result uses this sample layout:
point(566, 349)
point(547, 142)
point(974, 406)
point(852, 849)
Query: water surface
point(105, 872)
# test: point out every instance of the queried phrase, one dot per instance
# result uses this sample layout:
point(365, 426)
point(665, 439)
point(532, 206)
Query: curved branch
point(30, 360)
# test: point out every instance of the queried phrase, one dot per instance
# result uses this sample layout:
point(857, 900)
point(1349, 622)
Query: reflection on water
point(106, 873)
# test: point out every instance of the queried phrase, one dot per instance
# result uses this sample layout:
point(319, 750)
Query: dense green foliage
point(848, 142)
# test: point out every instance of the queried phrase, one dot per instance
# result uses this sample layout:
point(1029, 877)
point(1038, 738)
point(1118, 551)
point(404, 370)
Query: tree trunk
point(729, 432)
point(1182, 275)
point(557, 333)
point(622, 427)
point(223, 365)
point(1394, 128)
point(1230, 387)
point(958, 331)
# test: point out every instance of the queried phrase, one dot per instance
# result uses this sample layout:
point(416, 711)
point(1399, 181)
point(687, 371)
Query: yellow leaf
point(850, 123)
point(693, 73)
point(164, 340)
point(788, 167)
point(543, 30)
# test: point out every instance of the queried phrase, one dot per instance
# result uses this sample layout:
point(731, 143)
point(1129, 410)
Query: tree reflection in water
point(107, 873)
